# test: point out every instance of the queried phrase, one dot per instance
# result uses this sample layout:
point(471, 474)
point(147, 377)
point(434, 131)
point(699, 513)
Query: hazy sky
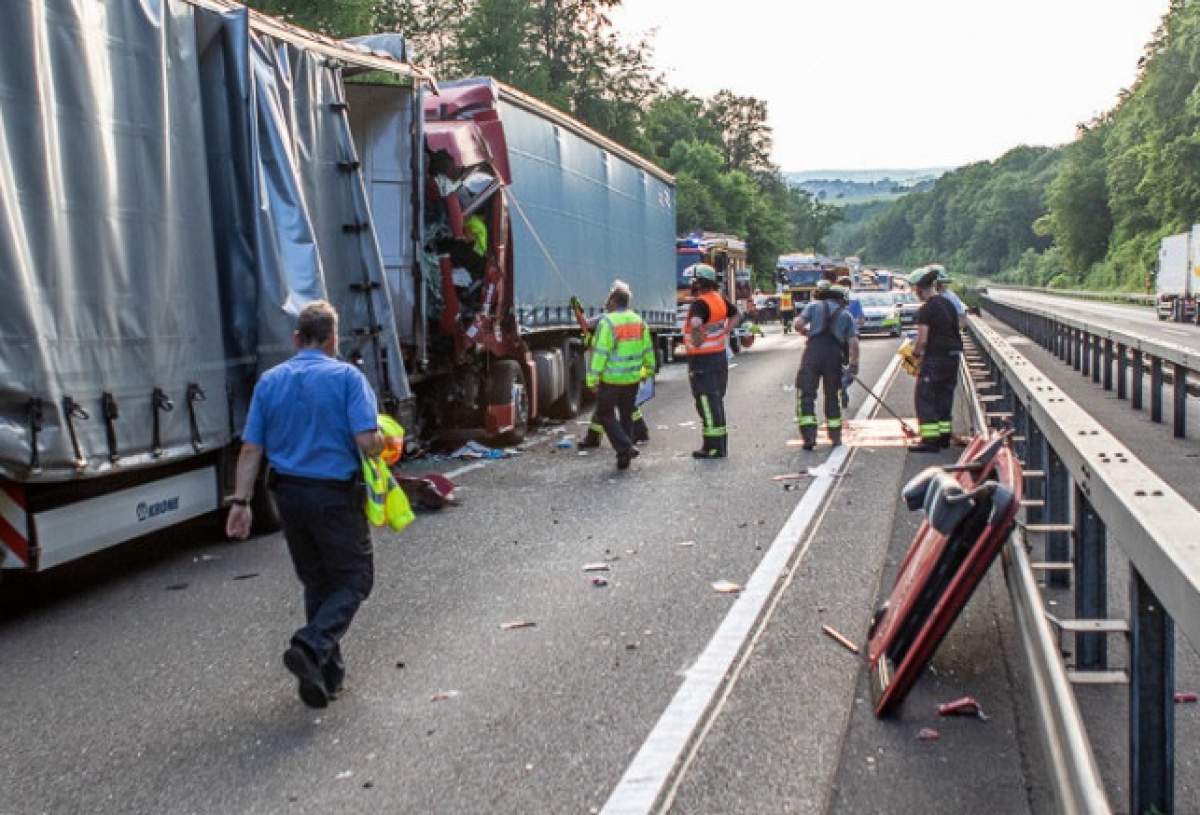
point(903, 83)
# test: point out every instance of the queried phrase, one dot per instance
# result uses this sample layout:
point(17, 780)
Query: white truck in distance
point(1178, 277)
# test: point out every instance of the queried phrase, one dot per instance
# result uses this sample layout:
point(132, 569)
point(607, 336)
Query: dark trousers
point(820, 367)
point(935, 397)
point(614, 413)
point(330, 543)
point(708, 374)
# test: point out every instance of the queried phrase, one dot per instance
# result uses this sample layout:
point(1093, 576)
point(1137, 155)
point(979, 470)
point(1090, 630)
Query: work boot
point(300, 661)
point(591, 440)
point(944, 440)
point(809, 435)
point(930, 446)
point(835, 438)
point(626, 456)
point(641, 433)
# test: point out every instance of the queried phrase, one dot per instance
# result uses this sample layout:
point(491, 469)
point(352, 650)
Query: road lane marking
point(647, 776)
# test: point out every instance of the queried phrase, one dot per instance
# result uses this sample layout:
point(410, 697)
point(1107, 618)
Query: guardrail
point(1130, 297)
point(1088, 490)
point(1075, 778)
point(1094, 349)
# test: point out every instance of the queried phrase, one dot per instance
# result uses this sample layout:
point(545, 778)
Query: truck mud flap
point(968, 515)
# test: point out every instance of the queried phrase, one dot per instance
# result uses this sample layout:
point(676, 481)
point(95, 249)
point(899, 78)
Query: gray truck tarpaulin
point(174, 186)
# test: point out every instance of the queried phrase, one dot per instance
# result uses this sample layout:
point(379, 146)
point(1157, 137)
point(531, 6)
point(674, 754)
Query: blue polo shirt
point(305, 413)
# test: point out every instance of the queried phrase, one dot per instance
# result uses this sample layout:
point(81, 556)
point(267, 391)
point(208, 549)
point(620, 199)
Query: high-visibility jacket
point(785, 301)
point(386, 502)
point(621, 349)
point(714, 333)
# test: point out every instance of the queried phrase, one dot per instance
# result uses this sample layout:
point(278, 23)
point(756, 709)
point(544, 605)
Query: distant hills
point(844, 187)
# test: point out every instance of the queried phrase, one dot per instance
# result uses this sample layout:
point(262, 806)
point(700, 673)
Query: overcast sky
point(855, 84)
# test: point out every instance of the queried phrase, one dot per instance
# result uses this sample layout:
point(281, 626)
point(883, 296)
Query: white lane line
point(651, 769)
point(478, 465)
point(1180, 332)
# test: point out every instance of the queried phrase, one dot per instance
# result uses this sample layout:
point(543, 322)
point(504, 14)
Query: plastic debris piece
point(177, 587)
point(565, 443)
point(1185, 697)
point(599, 582)
point(632, 646)
point(443, 695)
point(246, 576)
point(663, 427)
point(368, 785)
point(582, 453)
point(928, 734)
point(595, 567)
point(513, 624)
point(840, 639)
point(966, 706)
point(205, 558)
point(686, 543)
point(401, 665)
point(345, 774)
point(726, 587)
point(475, 450)
point(789, 477)
point(691, 423)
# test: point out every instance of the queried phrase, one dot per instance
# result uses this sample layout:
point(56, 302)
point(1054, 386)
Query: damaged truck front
point(520, 208)
point(177, 179)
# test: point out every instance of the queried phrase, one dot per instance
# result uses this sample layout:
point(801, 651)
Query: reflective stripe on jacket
point(714, 333)
point(621, 350)
point(386, 502)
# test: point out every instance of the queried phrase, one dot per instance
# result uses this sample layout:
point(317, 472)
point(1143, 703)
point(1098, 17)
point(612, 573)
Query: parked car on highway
point(908, 305)
point(881, 314)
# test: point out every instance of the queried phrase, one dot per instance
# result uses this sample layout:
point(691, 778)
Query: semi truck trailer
point(1177, 278)
point(178, 179)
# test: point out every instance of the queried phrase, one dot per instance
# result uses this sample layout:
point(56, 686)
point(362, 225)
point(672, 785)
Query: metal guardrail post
point(1091, 582)
point(1179, 410)
point(1057, 511)
point(1035, 461)
point(1108, 364)
point(1151, 702)
point(1139, 378)
point(1097, 352)
point(1156, 389)
point(1122, 371)
point(1085, 353)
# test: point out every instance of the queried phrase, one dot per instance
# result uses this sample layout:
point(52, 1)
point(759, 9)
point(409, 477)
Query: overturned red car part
point(968, 515)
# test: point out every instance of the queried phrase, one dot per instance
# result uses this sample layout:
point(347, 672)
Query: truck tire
point(568, 405)
point(505, 382)
point(735, 343)
point(266, 517)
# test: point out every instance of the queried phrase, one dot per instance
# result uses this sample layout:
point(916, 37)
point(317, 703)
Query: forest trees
point(567, 53)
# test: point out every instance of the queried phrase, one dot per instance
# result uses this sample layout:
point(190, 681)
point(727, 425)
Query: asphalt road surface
point(148, 679)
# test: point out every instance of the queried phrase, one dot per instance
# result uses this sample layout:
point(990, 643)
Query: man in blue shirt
point(314, 416)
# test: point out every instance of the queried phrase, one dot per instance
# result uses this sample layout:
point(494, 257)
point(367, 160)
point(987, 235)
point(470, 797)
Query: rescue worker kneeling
point(832, 340)
point(622, 356)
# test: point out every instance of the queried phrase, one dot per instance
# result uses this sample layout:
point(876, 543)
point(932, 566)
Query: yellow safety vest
point(386, 502)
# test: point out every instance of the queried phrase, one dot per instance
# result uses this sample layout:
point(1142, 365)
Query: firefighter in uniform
point(622, 356)
point(595, 432)
point(787, 311)
point(706, 331)
point(832, 341)
point(937, 351)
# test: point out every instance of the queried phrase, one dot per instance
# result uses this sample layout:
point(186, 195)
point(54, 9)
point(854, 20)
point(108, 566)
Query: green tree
point(745, 135)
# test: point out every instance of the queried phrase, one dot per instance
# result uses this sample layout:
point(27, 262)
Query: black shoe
point(640, 438)
point(708, 452)
point(300, 662)
point(835, 439)
point(333, 682)
point(626, 456)
point(926, 447)
point(589, 443)
point(944, 441)
point(808, 445)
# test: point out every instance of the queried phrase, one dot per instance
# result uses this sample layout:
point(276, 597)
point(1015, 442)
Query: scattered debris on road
point(475, 450)
point(1185, 697)
point(246, 576)
point(966, 706)
point(726, 587)
point(632, 646)
point(514, 624)
point(928, 734)
point(595, 567)
point(839, 638)
point(443, 695)
point(789, 477)
point(200, 558)
point(565, 443)
point(177, 587)
point(368, 785)
point(344, 774)
point(582, 453)
point(663, 427)
point(599, 582)
point(686, 543)
point(401, 666)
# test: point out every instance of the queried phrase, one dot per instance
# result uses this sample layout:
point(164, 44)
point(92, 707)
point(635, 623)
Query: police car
point(881, 314)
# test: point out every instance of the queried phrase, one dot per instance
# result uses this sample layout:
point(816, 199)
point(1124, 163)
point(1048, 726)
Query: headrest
point(941, 497)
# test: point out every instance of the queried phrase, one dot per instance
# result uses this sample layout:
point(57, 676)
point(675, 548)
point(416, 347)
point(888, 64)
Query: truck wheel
point(263, 507)
point(567, 406)
point(506, 385)
point(735, 343)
